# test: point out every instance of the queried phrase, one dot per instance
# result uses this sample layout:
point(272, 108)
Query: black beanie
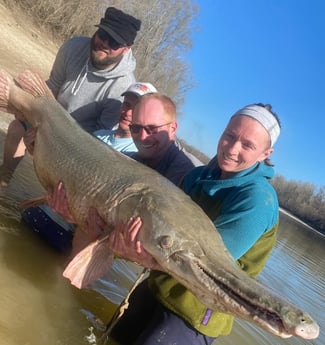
point(121, 26)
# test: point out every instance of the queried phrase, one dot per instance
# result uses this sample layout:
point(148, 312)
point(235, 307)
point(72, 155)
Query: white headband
point(264, 117)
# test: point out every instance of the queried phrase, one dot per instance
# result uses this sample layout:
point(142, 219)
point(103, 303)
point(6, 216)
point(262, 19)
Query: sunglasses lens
point(150, 129)
point(113, 44)
point(104, 36)
point(135, 129)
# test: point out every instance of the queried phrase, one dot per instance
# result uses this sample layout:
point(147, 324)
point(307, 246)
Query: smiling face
point(150, 111)
point(102, 55)
point(126, 110)
point(243, 143)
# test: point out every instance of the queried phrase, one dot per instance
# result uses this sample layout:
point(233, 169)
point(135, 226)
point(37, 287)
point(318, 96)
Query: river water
point(39, 306)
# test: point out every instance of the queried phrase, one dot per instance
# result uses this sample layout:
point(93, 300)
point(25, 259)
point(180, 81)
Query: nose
point(104, 42)
point(128, 112)
point(143, 134)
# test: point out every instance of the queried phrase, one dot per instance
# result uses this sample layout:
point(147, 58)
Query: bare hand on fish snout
point(124, 241)
point(57, 200)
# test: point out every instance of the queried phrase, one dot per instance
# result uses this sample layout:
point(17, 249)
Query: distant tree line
point(302, 199)
point(197, 153)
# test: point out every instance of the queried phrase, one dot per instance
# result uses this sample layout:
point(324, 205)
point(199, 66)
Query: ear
point(266, 154)
point(126, 49)
point(173, 127)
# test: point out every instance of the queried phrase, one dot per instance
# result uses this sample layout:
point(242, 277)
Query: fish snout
point(308, 329)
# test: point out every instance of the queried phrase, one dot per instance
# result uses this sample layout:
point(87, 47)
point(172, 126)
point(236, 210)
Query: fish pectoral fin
point(33, 202)
point(89, 264)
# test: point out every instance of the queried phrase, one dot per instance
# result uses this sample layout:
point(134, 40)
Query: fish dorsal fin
point(34, 84)
point(89, 264)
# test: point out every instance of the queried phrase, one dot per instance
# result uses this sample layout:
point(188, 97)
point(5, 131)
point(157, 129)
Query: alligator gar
point(175, 231)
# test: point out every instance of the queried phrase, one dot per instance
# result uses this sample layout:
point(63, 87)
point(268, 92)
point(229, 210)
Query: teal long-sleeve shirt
point(242, 207)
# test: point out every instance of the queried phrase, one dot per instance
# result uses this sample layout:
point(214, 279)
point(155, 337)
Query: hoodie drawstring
point(79, 81)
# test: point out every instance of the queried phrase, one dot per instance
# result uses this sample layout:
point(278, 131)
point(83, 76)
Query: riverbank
point(300, 221)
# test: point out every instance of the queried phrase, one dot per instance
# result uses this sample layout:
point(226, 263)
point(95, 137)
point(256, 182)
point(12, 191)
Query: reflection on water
point(39, 306)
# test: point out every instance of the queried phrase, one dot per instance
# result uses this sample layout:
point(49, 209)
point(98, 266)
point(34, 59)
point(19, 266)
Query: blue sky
point(269, 51)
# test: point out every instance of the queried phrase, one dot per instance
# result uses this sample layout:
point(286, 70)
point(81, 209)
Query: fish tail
point(34, 84)
point(89, 264)
point(8, 93)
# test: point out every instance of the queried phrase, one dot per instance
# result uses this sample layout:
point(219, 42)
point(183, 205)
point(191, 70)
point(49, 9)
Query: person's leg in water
point(57, 236)
point(14, 149)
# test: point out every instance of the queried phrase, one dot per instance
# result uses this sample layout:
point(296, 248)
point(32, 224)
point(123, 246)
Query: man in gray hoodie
point(87, 78)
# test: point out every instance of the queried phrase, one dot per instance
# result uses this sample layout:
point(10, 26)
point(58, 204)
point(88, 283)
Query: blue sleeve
point(245, 215)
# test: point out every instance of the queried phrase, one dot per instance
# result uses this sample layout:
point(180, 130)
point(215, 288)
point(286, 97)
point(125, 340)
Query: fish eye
point(166, 242)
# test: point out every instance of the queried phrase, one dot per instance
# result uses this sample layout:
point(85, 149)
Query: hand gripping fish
point(175, 231)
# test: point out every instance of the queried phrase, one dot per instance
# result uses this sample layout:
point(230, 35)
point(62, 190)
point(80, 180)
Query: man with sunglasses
point(153, 130)
point(87, 78)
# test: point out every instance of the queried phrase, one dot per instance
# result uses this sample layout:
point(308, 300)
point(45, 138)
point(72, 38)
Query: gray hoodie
point(91, 96)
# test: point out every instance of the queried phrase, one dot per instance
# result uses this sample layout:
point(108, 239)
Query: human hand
point(29, 139)
point(124, 242)
point(57, 200)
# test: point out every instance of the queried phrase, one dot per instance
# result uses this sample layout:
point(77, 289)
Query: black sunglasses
point(105, 36)
point(149, 129)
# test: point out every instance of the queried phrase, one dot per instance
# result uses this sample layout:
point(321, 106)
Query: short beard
point(102, 64)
